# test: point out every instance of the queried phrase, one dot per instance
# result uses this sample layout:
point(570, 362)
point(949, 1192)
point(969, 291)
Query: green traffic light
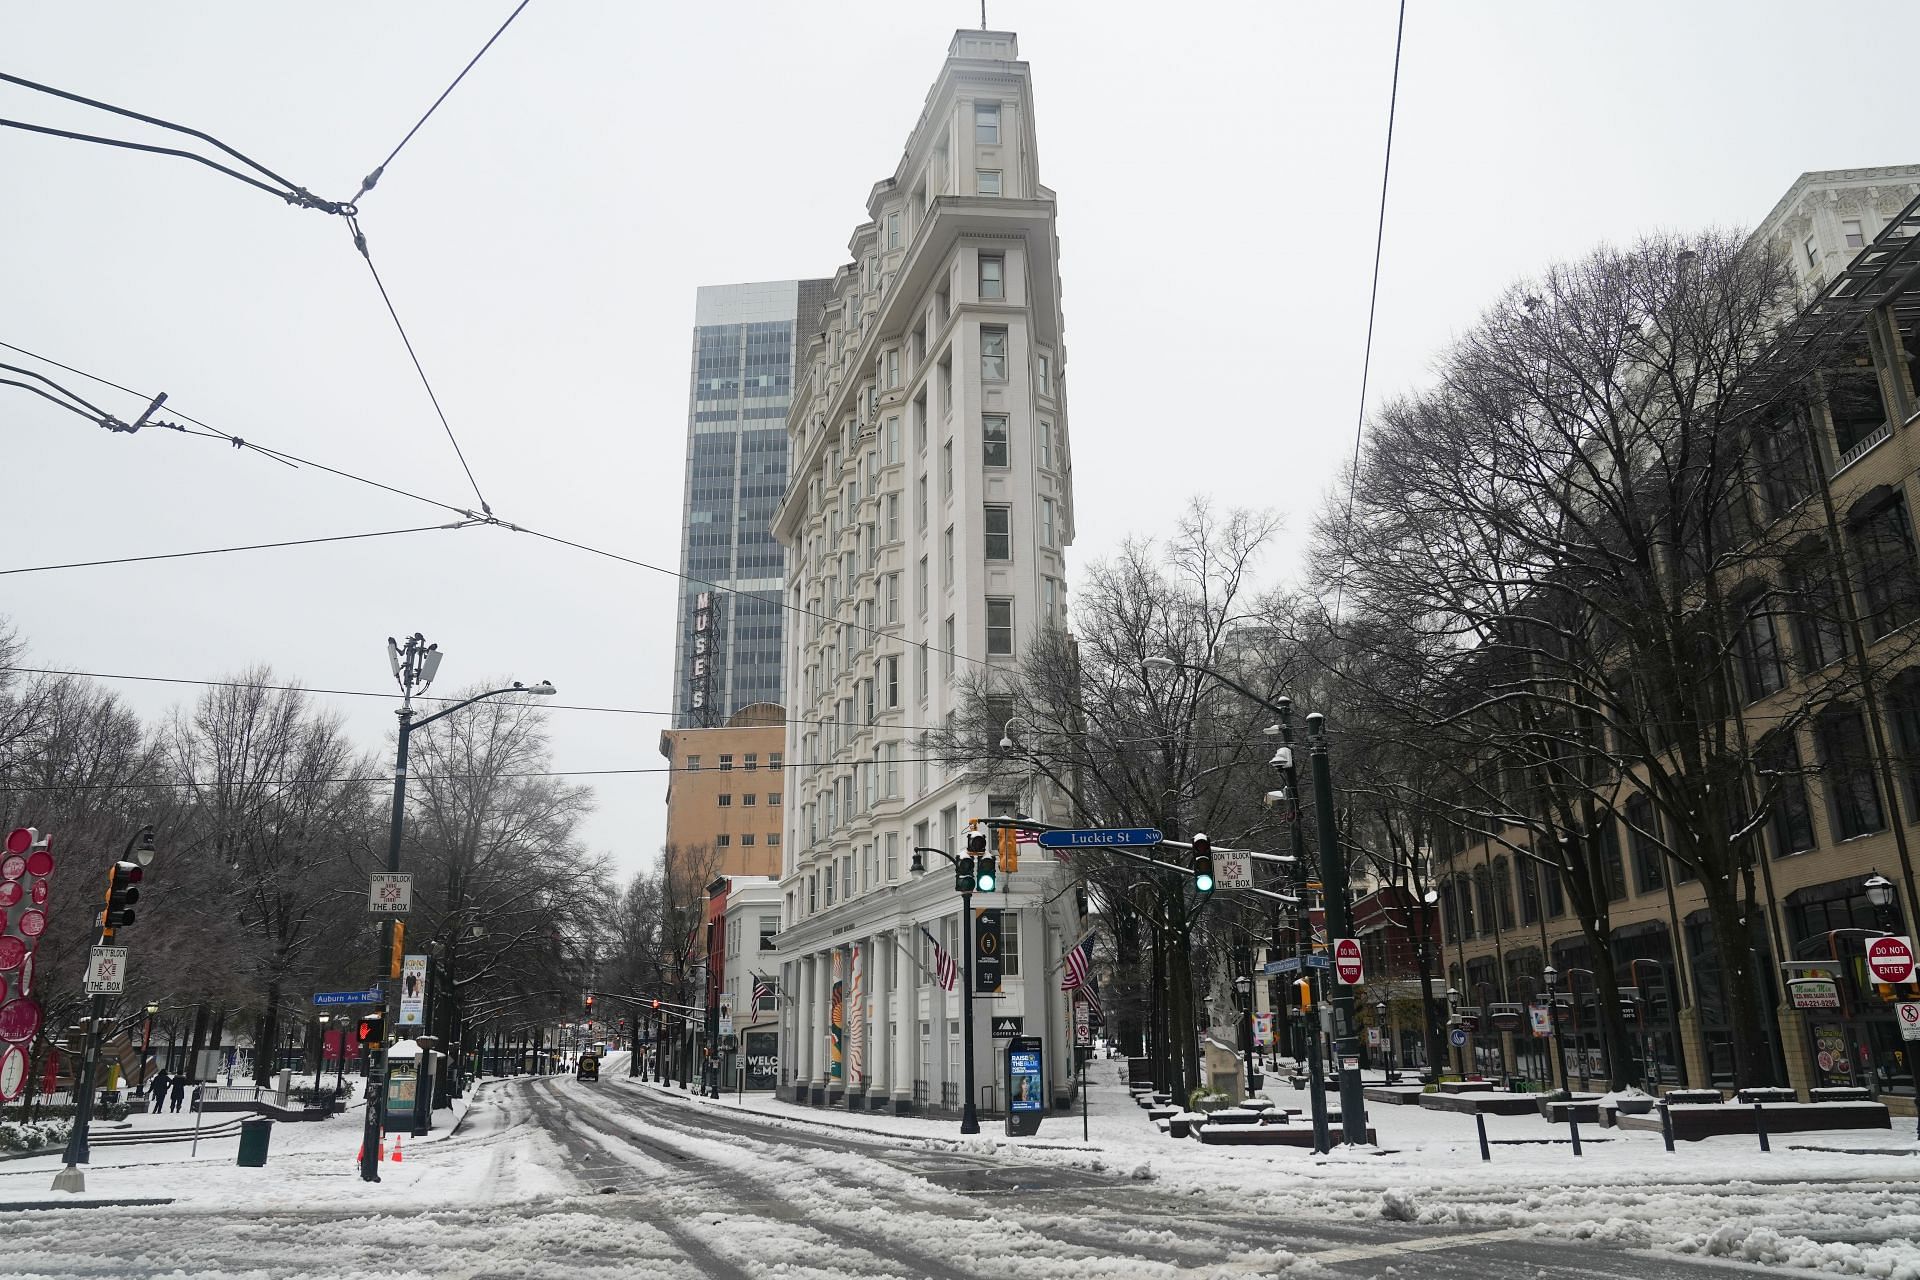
point(1203, 882)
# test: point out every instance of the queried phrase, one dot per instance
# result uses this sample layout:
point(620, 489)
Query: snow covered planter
point(1628, 1102)
point(34, 1135)
point(1206, 1100)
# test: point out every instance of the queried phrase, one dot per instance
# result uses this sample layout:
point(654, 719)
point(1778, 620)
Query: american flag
point(946, 971)
point(1078, 975)
point(1023, 836)
point(762, 988)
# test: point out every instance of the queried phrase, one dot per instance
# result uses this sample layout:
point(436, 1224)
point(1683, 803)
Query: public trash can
point(255, 1134)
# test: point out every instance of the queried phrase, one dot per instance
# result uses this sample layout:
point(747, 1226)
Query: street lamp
point(1243, 987)
point(1879, 891)
point(1006, 732)
point(414, 666)
point(1552, 977)
point(320, 1058)
point(1386, 1038)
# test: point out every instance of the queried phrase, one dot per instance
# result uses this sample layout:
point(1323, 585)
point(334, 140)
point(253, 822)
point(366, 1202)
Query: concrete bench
point(1489, 1103)
point(1691, 1123)
point(1262, 1135)
point(1398, 1095)
point(1581, 1110)
point(1465, 1086)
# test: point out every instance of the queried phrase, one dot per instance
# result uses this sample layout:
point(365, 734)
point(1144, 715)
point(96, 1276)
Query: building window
point(998, 523)
point(773, 799)
point(893, 231)
point(773, 839)
point(986, 123)
point(1010, 944)
point(773, 760)
point(992, 276)
point(893, 517)
point(893, 856)
point(946, 655)
point(987, 181)
point(1552, 892)
point(893, 441)
point(1044, 366)
point(946, 470)
point(748, 800)
point(726, 801)
point(1790, 821)
point(1756, 648)
point(1000, 628)
point(1817, 629)
point(890, 673)
point(693, 764)
point(994, 448)
point(1049, 601)
point(1046, 444)
point(920, 588)
point(1853, 793)
point(920, 673)
point(1883, 541)
point(1046, 522)
point(726, 763)
point(1503, 892)
point(1529, 894)
point(893, 597)
point(1853, 402)
point(993, 354)
point(751, 761)
point(920, 505)
point(746, 841)
point(813, 892)
point(892, 366)
point(946, 577)
point(723, 842)
point(1813, 254)
point(1856, 237)
point(1643, 832)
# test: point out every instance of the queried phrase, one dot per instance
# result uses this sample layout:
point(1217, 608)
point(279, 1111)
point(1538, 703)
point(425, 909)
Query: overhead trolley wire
point(219, 551)
point(293, 193)
point(367, 183)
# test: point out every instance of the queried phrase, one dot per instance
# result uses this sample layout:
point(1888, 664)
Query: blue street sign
point(1095, 837)
point(1292, 964)
point(370, 996)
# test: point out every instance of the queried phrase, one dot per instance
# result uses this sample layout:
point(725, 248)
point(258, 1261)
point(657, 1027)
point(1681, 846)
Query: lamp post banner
point(413, 990)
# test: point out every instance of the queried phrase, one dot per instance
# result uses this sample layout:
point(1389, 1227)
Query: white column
point(879, 1053)
point(908, 1034)
point(796, 990)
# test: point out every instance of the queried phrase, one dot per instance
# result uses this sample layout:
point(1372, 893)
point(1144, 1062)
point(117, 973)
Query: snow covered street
point(552, 1177)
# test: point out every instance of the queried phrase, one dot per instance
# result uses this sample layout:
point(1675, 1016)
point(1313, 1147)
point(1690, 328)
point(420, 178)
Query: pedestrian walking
point(179, 1092)
point(159, 1090)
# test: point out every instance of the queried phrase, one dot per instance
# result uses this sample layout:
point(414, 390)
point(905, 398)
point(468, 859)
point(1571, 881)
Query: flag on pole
point(946, 971)
point(1078, 975)
point(1023, 836)
point(762, 988)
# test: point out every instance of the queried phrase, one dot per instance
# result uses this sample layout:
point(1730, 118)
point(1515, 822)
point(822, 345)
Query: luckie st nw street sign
point(1890, 959)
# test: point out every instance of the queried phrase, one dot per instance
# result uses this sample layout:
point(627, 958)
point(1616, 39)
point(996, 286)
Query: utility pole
point(1302, 946)
point(1333, 888)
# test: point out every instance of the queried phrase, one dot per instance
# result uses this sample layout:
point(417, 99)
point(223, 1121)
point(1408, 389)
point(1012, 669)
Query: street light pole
point(1333, 887)
point(1557, 1068)
point(146, 1048)
point(414, 666)
point(969, 1114)
point(320, 1058)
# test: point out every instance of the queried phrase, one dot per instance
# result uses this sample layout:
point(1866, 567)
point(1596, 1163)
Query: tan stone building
point(1848, 776)
point(726, 799)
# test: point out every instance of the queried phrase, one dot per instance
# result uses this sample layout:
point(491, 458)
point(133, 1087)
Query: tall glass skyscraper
point(727, 646)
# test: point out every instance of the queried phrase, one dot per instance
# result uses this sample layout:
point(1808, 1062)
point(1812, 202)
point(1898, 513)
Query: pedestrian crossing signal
point(372, 1031)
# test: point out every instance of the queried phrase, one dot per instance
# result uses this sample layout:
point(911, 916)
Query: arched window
point(1503, 891)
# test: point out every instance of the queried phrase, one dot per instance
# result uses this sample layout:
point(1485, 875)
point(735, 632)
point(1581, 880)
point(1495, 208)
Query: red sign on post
point(1346, 961)
point(1890, 959)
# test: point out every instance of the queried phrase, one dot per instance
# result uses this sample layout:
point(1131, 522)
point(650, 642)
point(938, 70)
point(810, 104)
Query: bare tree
point(1587, 529)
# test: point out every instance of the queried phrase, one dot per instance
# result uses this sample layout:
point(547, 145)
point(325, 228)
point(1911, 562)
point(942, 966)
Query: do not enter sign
point(1890, 959)
point(1346, 961)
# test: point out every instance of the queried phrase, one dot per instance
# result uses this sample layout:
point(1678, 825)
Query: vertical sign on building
point(700, 699)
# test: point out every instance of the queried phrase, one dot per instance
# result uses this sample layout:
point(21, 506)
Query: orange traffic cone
point(383, 1148)
point(396, 1148)
point(361, 1154)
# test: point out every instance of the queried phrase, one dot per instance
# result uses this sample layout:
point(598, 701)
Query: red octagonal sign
point(1346, 960)
point(1890, 959)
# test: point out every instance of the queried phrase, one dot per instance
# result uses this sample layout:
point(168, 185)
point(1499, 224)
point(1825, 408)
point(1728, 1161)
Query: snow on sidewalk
point(312, 1164)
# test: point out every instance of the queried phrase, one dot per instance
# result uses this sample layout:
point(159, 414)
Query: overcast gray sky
point(1217, 167)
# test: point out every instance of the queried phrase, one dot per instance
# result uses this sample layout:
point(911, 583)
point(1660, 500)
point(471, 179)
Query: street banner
point(1263, 1029)
point(413, 991)
point(857, 1017)
point(836, 1023)
point(1542, 1023)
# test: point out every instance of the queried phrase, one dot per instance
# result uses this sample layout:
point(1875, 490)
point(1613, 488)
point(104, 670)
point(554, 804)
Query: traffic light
point(1303, 995)
point(589, 1004)
point(963, 873)
point(372, 1032)
point(656, 1004)
point(1009, 848)
point(1201, 861)
point(122, 893)
point(985, 874)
